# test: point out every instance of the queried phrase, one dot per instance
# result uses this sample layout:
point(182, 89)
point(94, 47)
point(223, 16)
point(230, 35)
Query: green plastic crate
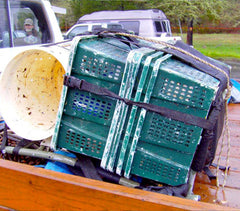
point(129, 140)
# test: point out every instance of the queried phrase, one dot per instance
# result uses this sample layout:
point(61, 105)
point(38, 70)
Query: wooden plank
point(26, 187)
point(233, 112)
point(210, 193)
point(229, 195)
point(233, 180)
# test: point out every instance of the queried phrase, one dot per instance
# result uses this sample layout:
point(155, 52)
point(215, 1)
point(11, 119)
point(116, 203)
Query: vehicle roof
point(95, 23)
point(128, 14)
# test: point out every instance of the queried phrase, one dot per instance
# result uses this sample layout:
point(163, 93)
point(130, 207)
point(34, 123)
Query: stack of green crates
point(127, 139)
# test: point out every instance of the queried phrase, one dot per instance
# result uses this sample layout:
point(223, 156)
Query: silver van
point(146, 23)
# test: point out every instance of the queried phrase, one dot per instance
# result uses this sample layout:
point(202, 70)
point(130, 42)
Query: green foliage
point(231, 15)
point(190, 11)
point(82, 7)
point(223, 12)
point(186, 10)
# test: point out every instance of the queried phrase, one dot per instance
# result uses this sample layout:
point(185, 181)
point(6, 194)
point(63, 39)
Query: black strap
point(4, 139)
point(83, 85)
point(21, 144)
point(223, 168)
point(208, 172)
point(2, 125)
point(201, 153)
point(16, 149)
point(179, 191)
point(88, 169)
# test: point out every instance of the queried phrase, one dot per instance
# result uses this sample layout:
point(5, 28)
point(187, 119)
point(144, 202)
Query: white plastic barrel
point(30, 91)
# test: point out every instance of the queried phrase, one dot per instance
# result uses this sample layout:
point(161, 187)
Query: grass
point(218, 46)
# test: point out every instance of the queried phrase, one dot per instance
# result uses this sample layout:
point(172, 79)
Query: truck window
point(4, 39)
point(77, 30)
point(23, 23)
point(131, 26)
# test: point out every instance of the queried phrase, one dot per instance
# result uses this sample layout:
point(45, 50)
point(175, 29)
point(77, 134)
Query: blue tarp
point(235, 96)
point(58, 166)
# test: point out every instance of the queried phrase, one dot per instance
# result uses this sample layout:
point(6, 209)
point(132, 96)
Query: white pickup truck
point(14, 15)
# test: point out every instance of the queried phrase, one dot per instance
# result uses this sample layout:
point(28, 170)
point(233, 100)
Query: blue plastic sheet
point(58, 166)
point(235, 97)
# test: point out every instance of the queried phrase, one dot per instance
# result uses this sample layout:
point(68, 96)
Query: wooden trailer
point(24, 187)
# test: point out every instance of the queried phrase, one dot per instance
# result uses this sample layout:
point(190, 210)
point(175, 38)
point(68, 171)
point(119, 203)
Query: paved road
point(235, 64)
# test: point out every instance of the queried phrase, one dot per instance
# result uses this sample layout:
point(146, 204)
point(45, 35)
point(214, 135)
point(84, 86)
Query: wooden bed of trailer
point(24, 187)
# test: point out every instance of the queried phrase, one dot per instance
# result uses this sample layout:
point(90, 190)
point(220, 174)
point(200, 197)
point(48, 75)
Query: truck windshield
point(20, 24)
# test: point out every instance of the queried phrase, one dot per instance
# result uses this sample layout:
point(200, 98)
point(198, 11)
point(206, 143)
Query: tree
point(82, 7)
point(231, 15)
point(190, 11)
point(187, 12)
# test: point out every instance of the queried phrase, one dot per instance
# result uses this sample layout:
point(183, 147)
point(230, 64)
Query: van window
point(96, 27)
point(158, 26)
point(166, 26)
point(162, 26)
point(114, 26)
point(131, 26)
point(23, 24)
